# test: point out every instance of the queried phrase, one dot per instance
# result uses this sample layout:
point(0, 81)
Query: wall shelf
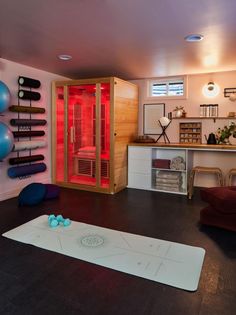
point(214, 118)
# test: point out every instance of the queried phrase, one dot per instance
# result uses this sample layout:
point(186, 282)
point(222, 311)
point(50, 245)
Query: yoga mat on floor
point(162, 261)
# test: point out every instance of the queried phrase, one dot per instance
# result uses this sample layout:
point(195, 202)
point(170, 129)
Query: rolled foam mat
point(29, 82)
point(28, 122)
point(26, 109)
point(26, 159)
point(28, 145)
point(18, 171)
point(29, 95)
point(27, 134)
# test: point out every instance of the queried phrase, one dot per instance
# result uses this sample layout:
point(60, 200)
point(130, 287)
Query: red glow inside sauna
point(84, 122)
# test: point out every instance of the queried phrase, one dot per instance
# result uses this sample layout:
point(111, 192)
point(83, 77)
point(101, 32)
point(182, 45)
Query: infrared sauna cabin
point(93, 120)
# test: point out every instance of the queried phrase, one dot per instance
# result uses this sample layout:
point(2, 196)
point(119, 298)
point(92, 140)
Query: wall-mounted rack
point(228, 91)
point(24, 130)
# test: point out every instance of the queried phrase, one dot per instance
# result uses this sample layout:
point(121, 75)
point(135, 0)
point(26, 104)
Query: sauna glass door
point(88, 153)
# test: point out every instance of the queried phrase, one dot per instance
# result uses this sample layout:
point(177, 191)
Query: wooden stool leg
point(220, 179)
point(230, 179)
point(190, 185)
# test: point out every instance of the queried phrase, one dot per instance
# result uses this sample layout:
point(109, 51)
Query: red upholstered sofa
point(221, 211)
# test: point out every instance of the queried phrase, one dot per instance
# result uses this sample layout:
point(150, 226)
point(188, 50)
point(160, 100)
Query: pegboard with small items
point(190, 132)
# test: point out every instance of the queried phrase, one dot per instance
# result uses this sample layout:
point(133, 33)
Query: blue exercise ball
point(5, 97)
point(6, 140)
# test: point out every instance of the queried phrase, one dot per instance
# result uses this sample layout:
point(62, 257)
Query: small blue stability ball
point(6, 140)
point(5, 97)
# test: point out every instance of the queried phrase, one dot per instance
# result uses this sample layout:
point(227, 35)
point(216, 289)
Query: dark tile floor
point(36, 281)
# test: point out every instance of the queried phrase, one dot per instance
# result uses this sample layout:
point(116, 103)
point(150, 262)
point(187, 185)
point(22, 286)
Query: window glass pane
point(159, 89)
point(167, 87)
point(176, 88)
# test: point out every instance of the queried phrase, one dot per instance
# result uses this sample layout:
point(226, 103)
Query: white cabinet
point(159, 168)
point(139, 167)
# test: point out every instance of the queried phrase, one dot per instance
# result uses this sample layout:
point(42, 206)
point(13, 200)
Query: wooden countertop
point(191, 146)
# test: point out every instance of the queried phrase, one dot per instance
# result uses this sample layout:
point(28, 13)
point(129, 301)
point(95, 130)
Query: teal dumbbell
point(60, 218)
point(67, 222)
point(52, 221)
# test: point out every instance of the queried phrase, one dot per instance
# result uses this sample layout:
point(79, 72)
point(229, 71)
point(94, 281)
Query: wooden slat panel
point(125, 127)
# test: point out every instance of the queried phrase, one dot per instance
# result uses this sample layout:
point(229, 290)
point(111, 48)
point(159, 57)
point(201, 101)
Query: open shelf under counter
point(143, 174)
point(167, 169)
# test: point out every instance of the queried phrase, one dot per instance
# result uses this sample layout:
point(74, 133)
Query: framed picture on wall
point(151, 114)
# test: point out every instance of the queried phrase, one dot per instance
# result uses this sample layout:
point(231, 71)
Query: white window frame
point(167, 80)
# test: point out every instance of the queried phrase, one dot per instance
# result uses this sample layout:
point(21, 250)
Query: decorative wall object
point(231, 93)
point(151, 114)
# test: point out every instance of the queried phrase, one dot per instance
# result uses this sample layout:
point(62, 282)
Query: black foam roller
point(28, 122)
point(29, 95)
point(32, 83)
point(26, 159)
point(28, 134)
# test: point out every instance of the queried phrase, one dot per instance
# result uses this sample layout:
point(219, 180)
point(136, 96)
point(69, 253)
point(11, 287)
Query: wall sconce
point(211, 89)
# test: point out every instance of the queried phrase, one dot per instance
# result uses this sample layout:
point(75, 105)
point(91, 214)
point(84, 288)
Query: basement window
point(174, 87)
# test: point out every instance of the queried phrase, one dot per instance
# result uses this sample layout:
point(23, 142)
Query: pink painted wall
point(9, 72)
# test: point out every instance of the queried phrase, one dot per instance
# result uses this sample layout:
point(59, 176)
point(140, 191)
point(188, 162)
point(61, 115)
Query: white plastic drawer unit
point(139, 167)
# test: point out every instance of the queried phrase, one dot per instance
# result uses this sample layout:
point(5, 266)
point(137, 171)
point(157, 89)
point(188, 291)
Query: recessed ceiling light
point(64, 57)
point(193, 38)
